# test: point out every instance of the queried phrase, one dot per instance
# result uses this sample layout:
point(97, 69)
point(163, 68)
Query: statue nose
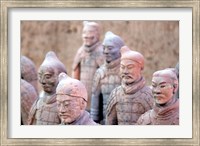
point(125, 70)
point(156, 90)
point(61, 109)
point(42, 80)
point(105, 51)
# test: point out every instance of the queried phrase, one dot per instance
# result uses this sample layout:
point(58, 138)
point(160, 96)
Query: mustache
point(158, 95)
point(64, 115)
point(127, 75)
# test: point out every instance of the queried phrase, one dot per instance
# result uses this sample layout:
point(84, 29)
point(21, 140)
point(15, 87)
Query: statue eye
point(162, 86)
point(130, 66)
point(67, 105)
point(110, 48)
point(58, 104)
point(48, 76)
point(122, 67)
point(154, 86)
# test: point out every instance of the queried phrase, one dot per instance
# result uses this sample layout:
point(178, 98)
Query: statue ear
point(175, 87)
point(82, 104)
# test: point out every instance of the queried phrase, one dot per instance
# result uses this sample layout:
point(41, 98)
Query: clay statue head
point(28, 71)
point(111, 46)
point(71, 96)
point(49, 71)
point(131, 65)
point(164, 85)
point(91, 33)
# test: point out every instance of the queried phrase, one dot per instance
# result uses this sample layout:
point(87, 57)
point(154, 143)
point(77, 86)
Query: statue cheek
point(53, 81)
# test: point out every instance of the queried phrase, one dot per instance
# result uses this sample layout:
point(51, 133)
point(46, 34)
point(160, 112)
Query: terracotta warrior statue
point(28, 96)
point(107, 77)
point(71, 96)
point(29, 72)
point(44, 110)
point(132, 98)
point(89, 57)
point(166, 107)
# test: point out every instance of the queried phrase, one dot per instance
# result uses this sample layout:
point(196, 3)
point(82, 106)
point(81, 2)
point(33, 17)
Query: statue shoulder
point(113, 98)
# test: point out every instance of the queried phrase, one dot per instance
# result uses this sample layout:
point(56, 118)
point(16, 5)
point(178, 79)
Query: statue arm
point(76, 65)
point(31, 116)
point(111, 113)
point(145, 119)
point(95, 99)
point(76, 72)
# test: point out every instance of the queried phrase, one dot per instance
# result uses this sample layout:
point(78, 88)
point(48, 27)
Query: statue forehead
point(65, 98)
point(89, 28)
point(164, 75)
point(161, 79)
point(109, 42)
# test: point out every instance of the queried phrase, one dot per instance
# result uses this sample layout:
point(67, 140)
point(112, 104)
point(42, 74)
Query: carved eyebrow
point(127, 65)
point(48, 73)
point(64, 101)
point(108, 46)
point(163, 83)
point(159, 83)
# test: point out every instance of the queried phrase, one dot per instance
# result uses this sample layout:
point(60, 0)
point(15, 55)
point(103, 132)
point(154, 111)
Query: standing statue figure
point(28, 97)
point(44, 110)
point(71, 96)
point(29, 72)
point(107, 77)
point(166, 107)
point(132, 98)
point(89, 57)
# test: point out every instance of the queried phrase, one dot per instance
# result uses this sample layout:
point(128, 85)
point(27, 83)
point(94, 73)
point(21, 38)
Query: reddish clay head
point(131, 66)
point(111, 46)
point(49, 71)
point(164, 85)
point(71, 96)
point(91, 33)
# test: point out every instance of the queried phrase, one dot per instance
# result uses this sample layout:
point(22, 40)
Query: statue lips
point(158, 96)
point(107, 56)
point(64, 116)
point(46, 87)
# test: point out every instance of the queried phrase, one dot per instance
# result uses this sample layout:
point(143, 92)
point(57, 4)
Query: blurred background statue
point(29, 71)
point(28, 87)
point(89, 57)
point(28, 96)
